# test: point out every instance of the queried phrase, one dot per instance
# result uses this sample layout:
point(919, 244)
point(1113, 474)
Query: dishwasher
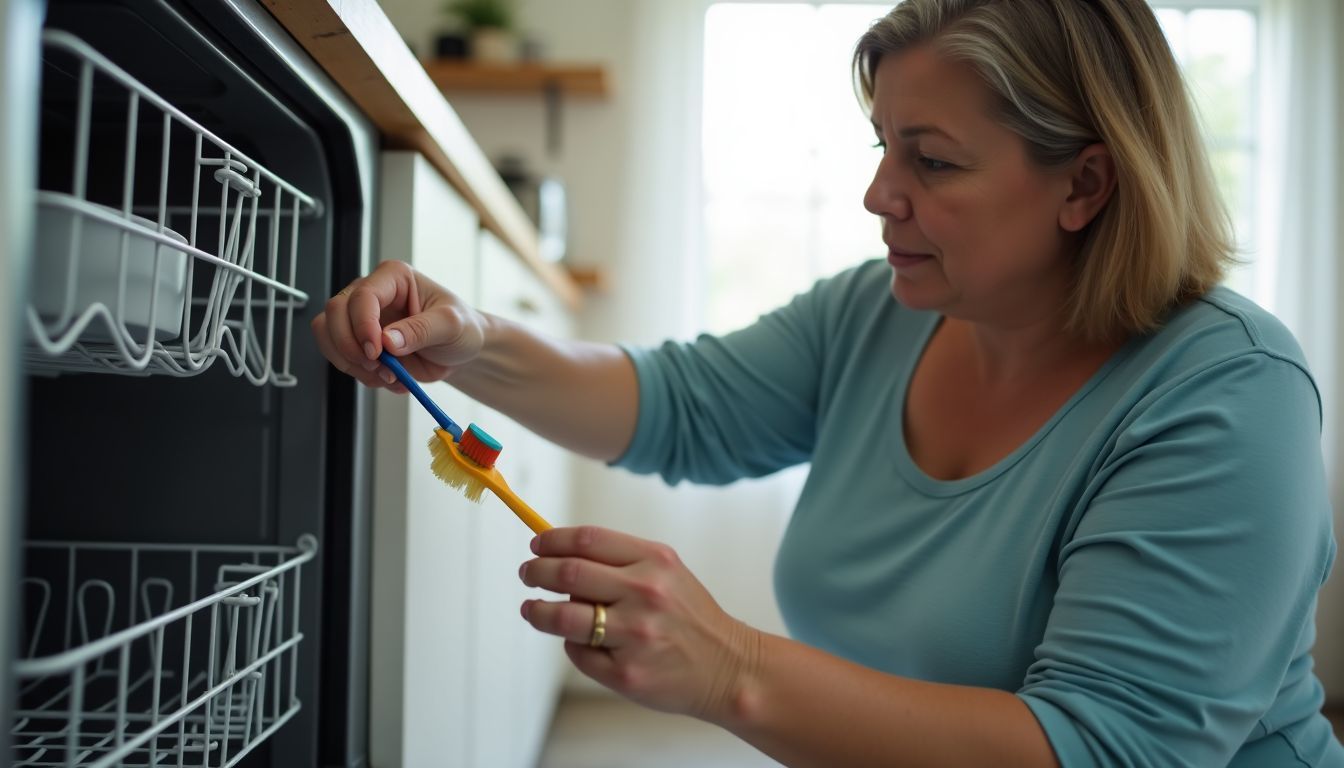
point(184, 564)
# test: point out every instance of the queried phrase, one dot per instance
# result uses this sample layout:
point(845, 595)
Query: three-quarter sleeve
point(726, 407)
point(1187, 585)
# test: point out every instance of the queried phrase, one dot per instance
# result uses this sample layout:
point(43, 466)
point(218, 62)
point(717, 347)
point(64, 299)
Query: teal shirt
point(1142, 572)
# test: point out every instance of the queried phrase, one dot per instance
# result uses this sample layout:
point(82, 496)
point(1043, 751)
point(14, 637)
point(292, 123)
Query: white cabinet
point(518, 672)
point(457, 677)
point(423, 582)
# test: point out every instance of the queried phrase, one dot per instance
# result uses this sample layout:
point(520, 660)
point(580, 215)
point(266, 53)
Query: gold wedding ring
point(599, 626)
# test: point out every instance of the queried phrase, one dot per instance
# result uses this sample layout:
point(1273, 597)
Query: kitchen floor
point(600, 731)
point(597, 731)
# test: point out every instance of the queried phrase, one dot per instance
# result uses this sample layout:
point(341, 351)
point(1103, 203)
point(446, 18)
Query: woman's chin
point(916, 294)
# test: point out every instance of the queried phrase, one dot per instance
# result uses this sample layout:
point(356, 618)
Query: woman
point(1066, 504)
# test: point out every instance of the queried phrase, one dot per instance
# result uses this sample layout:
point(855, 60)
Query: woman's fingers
point(341, 362)
point(573, 620)
point(349, 328)
point(341, 336)
point(665, 642)
point(601, 544)
point(368, 298)
point(597, 663)
point(583, 579)
point(396, 309)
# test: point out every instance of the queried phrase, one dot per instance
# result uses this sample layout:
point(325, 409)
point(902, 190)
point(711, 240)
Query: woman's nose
point(886, 194)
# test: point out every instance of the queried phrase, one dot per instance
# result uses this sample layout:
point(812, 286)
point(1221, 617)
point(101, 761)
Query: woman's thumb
point(428, 329)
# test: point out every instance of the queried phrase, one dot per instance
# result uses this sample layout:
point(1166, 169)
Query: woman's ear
point(1092, 180)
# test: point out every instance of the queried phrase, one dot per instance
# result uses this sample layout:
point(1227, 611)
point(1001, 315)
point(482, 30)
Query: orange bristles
point(477, 444)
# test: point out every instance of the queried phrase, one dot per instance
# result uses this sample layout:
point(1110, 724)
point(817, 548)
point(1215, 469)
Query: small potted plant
point(489, 24)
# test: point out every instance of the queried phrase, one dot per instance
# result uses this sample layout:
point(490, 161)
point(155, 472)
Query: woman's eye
point(882, 145)
point(934, 164)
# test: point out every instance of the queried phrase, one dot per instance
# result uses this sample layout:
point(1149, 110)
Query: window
point(787, 153)
point(1217, 49)
point(787, 147)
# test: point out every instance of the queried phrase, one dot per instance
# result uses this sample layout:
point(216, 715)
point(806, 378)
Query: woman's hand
point(423, 324)
point(667, 644)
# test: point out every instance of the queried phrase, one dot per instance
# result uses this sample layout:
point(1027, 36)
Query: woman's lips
point(902, 259)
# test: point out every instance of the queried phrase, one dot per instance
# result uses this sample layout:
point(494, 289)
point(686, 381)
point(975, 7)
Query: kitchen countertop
point(356, 44)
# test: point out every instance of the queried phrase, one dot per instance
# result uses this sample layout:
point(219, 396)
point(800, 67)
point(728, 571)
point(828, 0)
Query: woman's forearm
point(580, 395)
point(804, 707)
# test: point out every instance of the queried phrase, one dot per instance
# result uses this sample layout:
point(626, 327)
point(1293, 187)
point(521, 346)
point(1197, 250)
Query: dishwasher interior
point(191, 591)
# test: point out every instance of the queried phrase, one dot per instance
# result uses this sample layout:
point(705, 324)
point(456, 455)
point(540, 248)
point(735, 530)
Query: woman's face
point(973, 227)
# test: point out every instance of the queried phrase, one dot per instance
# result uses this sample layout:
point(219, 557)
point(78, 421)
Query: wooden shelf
point(588, 278)
point(525, 77)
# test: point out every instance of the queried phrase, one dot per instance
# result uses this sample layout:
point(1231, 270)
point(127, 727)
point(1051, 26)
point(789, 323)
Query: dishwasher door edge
point(20, 28)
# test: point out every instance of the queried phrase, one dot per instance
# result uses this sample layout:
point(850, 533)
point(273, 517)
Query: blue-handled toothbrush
point(465, 460)
point(411, 384)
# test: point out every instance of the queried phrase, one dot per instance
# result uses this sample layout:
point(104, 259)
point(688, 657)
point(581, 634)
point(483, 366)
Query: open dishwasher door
point(193, 528)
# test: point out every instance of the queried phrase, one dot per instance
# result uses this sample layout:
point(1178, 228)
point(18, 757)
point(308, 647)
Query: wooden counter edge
point(361, 51)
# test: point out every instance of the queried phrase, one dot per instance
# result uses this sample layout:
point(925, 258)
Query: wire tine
point(162, 220)
point(69, 594)
point(256, 620)
point(39, 623)
point(155, 696)
point(210, 678)
point(279, 629)
point(223, 213)
point(83, 120)
point(135, 579)
point(293, 269)
point(72, 719)
point(127, 190)
point(271, 258)
point(248, 259)
point(187, 350)
point(186, 677)
point(84, 616)
point(123, 672)
point(228, 692)
point(163, 171)
point(294, 652)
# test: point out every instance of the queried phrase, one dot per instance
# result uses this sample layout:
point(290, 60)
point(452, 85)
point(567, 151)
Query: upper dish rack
point(115, 287)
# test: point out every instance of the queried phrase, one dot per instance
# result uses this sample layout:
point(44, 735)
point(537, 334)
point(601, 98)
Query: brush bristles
point(446, 468)
point(474, 446)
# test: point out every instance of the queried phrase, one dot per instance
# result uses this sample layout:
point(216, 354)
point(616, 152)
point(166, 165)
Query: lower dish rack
point(156, 654)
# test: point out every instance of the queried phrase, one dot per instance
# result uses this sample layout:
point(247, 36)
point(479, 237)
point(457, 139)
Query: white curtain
point(1299, 248)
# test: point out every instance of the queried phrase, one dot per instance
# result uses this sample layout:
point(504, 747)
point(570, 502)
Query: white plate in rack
point(97, 262)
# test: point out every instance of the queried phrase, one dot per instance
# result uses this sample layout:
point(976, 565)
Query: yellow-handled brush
point(465, 459)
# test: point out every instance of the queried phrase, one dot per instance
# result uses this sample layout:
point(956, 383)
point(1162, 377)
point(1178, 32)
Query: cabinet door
point(520, 669)
point(422, 697)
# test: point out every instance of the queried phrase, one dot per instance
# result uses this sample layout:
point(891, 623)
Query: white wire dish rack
point(134, 284)
point(121, 668)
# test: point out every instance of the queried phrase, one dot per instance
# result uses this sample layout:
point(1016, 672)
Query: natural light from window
point(788, 150)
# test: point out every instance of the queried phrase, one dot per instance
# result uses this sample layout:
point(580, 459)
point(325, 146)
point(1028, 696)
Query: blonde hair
point(1070, 73)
